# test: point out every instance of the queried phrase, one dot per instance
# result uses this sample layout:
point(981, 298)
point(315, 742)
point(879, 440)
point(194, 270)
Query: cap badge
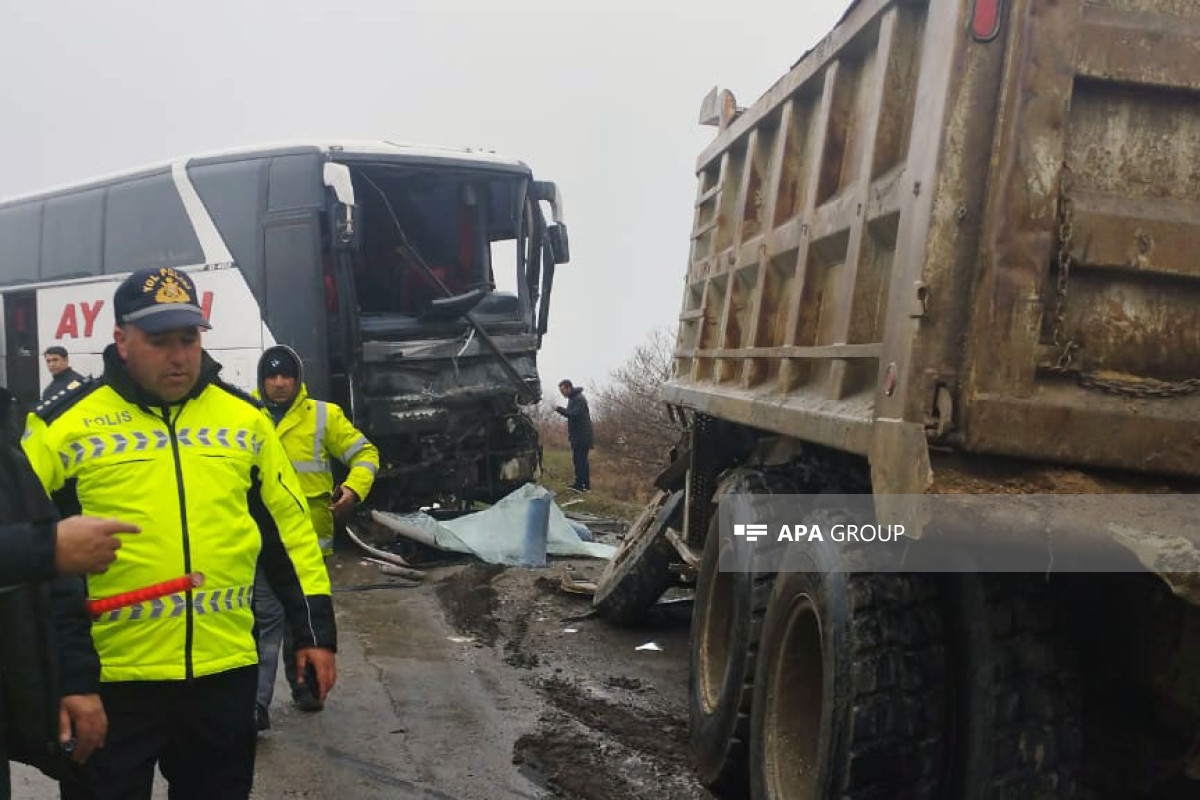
point(169, 289)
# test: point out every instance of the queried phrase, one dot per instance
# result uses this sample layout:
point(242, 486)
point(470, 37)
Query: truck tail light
point(985, 21)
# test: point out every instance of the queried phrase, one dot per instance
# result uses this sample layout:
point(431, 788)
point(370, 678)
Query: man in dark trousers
point(47, 682)
point(579, 432)
point(160, 440)
point(61, 374)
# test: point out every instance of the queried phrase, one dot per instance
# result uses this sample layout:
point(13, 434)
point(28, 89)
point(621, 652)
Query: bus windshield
point(451, 218)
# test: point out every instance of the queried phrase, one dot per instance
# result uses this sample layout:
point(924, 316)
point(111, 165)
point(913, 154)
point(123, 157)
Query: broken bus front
point(438, 283)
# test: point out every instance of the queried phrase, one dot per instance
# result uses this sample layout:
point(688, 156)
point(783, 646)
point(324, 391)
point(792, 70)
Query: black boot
point(262, 718)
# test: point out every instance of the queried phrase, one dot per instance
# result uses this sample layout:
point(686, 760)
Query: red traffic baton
point(101, 605)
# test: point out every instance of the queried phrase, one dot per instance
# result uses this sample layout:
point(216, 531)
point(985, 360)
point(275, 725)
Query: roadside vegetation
point(634, 434)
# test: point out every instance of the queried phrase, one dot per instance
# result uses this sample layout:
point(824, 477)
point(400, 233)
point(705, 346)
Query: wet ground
point(482, 683)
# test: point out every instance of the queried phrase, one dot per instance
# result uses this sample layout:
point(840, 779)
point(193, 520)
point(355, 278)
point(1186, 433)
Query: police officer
point(312, 431)
point(62, 377)
point(161, 441)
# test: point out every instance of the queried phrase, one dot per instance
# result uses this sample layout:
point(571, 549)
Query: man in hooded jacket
point(579, 432)
point(312, 431)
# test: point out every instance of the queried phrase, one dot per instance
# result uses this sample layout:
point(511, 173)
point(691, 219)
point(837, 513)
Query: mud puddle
point(613, 721)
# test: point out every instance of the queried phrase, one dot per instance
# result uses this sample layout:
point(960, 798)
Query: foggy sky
point(602, 98)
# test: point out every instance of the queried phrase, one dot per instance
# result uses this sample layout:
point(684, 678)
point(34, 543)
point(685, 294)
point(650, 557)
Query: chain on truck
point(951, 251)
point(415, 283)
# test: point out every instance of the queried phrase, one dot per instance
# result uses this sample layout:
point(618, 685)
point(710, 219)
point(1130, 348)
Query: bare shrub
point(633, 427)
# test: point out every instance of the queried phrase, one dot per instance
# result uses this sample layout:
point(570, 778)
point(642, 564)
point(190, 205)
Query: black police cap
point(158, 299)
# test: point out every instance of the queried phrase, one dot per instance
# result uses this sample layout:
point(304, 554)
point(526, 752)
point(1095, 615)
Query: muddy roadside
point(613, 719)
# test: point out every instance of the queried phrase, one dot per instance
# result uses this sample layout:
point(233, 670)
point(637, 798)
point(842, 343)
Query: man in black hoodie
point(39, 555)
point(579, 432)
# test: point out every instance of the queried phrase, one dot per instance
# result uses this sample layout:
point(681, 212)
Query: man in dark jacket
point(62, 376)
point(579, 432)
point(38, 665)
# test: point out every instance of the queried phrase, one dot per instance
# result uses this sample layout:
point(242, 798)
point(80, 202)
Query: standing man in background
point(61, 374)
point(579, 432)
point(312, 431)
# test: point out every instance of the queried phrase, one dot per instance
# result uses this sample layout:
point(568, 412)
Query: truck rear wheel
point(640, 571)
point(849, 693)
point(726, 620)
point(1021, 733)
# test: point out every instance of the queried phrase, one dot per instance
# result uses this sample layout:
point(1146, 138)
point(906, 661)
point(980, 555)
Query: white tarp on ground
point(507, 533)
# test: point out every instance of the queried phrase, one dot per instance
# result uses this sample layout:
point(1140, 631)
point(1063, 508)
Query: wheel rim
point(795, 698)
point(634, 542)
point(715, 635)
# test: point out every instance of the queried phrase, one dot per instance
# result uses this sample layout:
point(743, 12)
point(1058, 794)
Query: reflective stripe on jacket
point(313, 431)
point(211, 487)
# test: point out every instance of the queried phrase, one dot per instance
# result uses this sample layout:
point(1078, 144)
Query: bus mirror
point(560, 245)
point(547, 192)
point(344, 224)
point(337, 178)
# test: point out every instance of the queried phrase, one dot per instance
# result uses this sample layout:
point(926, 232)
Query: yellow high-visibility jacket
point(313, 431)
point(211, 487)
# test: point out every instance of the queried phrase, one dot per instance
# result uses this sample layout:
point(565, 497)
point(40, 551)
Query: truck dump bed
point(939, 229)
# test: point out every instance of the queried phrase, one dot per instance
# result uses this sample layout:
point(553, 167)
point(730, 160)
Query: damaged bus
point(414, 281)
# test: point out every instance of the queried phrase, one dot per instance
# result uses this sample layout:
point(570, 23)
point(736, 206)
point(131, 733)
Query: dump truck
point(952, 249)
point(413, 280)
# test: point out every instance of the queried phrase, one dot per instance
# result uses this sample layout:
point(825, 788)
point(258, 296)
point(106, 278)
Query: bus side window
point(146, 226)
point(20, 243)
point(235, 195)
point(72, 235)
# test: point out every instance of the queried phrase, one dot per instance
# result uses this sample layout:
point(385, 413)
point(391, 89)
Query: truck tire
point(639, 572)
point(726, 619)
point(1021, 725)
point(850, 698)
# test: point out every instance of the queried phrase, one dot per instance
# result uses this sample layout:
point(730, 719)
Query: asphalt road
point(480, 684)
